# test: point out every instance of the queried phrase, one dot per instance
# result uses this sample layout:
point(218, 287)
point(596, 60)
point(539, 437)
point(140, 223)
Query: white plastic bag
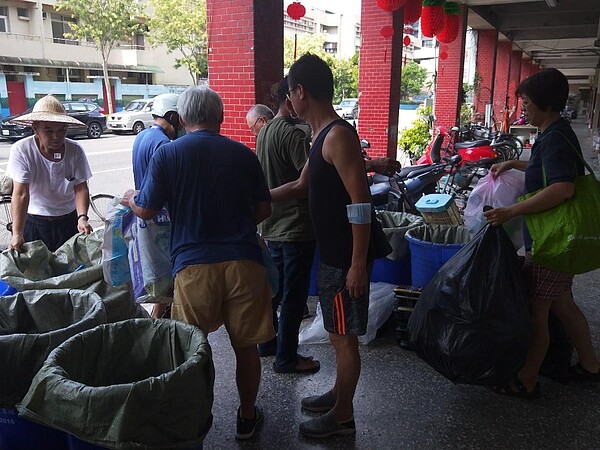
point(381, 306)
point(497, 192)
point(150, 259)
point(115, 263)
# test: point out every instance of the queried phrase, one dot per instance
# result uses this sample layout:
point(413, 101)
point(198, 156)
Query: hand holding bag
point(566, 238)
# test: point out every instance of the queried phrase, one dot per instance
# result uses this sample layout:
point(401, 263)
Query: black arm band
point(82, 215)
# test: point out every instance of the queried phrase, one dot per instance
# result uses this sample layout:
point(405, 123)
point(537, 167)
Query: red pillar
point(487, 44)
point(501, 82)
point(526, 69)
point(245, 40)
point(379, 79)
point(513, 82)
point(449, 79)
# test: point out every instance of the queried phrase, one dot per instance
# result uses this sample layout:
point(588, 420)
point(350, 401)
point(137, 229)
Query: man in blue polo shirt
point(216, 194)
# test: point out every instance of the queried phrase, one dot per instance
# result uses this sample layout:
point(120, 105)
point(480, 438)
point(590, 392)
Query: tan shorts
point(234, 293)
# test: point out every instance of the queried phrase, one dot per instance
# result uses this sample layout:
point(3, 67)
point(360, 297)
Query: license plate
point(5, 132)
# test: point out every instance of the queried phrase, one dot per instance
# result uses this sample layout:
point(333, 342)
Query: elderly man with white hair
point(216, 194)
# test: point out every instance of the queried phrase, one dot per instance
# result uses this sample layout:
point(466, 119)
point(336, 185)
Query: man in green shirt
point(282, 149)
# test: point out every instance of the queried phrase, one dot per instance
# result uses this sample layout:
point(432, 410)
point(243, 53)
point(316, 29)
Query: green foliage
point(181, 26)
point(345, 71)
point(412, 79)
point(105, 22)
point(413, 140)
point(466, 113)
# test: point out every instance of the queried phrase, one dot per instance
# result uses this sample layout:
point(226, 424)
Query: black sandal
point(578, 373)
point(514, 388)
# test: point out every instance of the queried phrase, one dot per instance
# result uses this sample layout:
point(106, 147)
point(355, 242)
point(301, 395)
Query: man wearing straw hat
point(50, 197)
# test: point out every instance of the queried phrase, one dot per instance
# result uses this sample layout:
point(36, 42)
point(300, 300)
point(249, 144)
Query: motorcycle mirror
point(364, 143)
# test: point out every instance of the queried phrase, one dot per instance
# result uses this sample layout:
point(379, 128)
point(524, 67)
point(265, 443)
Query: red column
point(487, 44)
point(449, 80)
point(245, 40)
point(526, 69)
point(379, 79)
point(501, 81)
point(513, 82)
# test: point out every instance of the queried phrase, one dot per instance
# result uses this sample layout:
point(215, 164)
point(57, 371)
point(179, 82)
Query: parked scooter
point(402, 191)
point(483, 152)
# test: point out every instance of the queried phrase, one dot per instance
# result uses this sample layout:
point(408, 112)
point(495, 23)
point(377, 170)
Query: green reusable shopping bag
point(566, 238)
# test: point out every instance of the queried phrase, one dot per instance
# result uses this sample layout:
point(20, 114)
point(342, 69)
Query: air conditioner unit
point(44, 15)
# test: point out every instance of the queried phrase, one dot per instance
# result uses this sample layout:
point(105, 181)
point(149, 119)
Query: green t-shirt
point(282, 150)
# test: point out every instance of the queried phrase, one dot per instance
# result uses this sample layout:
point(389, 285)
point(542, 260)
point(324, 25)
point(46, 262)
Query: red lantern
point(296, 10)
point(412, 11)
point(432, 17)
point(443, 55)
point(450, 30)
point(406, 41)
point(390, 5)
point(387, 32)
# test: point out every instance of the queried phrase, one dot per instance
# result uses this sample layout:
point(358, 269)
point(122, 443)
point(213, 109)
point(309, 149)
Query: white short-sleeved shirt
point(51, 184)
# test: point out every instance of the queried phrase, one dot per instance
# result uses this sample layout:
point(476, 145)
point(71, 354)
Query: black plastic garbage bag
point(472, 321)
point(32, 324)
point(139, 383)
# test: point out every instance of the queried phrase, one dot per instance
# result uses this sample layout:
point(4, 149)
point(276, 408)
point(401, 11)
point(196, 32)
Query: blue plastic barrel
point(393, 272)
point(6, 289)
point(428, 257)
point(21, 434)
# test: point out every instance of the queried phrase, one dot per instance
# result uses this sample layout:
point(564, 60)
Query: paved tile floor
point(401, 403)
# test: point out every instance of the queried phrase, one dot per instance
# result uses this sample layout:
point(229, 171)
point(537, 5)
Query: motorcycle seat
point(472, 144)
point(407, 172)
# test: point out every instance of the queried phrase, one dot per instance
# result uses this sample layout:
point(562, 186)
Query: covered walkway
point(401, 403)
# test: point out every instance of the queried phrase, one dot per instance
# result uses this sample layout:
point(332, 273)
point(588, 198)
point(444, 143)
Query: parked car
point(349, 108)
point(87, 112)
point(133, 118)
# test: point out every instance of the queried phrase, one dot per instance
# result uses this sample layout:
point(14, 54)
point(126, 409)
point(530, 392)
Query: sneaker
point(319, 403)
point(247, 427)
point(325, 426)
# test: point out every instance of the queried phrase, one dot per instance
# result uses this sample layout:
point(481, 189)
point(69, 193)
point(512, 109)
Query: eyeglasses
point(254, 124)
point(287, 94)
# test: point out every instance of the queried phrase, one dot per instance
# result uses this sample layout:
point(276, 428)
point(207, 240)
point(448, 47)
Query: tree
point(345, 71)
point(181, 25)
point(413, 77)
point(104, 22)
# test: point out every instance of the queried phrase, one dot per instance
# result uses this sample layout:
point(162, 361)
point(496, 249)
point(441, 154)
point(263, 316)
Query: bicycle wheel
point(5, 223)
point(100, 203)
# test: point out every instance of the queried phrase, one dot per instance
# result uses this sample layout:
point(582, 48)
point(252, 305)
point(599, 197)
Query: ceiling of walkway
point(565, 36)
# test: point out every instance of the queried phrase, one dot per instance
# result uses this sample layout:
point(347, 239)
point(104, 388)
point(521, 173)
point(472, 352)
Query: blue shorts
point(341, 313)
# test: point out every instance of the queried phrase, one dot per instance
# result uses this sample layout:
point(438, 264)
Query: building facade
point(37, 59)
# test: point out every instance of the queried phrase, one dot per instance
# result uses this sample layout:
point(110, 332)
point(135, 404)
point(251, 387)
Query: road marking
point(107, 152)
point(95, 172)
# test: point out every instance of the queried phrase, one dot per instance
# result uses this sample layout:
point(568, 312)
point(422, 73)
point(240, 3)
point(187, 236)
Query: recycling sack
point(32, 324)
point(471, 322)
point(139, 383)
point(74, 265)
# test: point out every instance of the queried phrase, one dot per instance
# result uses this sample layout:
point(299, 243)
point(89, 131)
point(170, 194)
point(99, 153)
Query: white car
point(349, 108)
point(133, 118)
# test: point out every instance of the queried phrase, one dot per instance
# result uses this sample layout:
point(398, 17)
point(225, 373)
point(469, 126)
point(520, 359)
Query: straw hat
point(48, 109)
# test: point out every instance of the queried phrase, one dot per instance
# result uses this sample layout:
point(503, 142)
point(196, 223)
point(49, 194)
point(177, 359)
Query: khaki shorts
point(234, 293)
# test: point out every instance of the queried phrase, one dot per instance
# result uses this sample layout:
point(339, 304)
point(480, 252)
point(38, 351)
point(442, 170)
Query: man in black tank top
point(340, 205)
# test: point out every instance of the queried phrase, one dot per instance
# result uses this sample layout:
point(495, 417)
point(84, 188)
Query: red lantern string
point(432, 17)
point(387, 32)
point(296, 11)
point(406, 41)
point(412, 11)
point(390, 5)
point(450, 30)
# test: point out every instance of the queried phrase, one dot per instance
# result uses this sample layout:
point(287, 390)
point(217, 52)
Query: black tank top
point(327, 200)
